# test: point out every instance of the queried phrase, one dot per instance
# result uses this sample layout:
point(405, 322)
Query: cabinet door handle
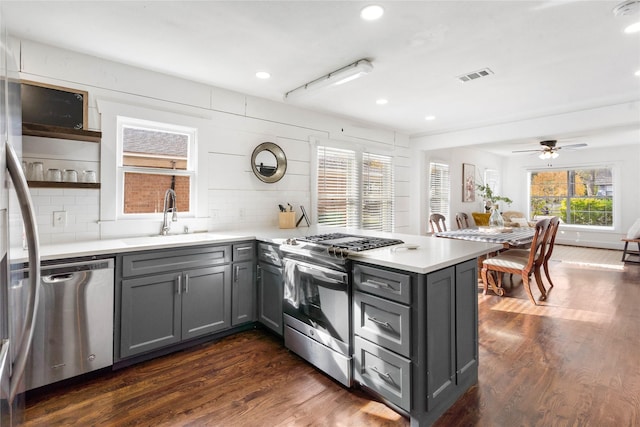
point(236, 271)
point(380, 322)
point(379, 284)
point(186, 283)
point(258, 272)
point(179, 283)
point(384, 375)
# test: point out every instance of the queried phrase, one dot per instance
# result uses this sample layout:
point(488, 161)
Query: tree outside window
point(577, 196)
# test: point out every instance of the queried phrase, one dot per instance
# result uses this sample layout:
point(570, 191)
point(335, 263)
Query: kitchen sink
point(158, 239)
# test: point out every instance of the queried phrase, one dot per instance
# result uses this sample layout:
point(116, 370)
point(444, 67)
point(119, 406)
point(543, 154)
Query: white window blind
point(377, 192)
point(439, 189)
point(338, 187)
point(492, 179)
point(355, 189)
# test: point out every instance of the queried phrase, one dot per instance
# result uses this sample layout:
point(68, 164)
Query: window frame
point(615, 205)
point(359, 153)
point(123, 121)
point(431, 191)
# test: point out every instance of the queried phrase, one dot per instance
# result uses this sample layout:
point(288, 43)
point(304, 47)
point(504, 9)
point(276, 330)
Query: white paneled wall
point(230, 125)
point(82, 211)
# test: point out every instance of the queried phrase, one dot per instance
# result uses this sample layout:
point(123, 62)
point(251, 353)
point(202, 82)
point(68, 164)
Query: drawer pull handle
point(384, 375)
point(379, 284)
point(380, 322)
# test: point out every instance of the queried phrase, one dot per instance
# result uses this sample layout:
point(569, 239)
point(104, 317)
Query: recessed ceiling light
point(372, 12)
point(633, 28)
point(263, 75)
point(381, 101)
point(430, 118)
point(637, 73)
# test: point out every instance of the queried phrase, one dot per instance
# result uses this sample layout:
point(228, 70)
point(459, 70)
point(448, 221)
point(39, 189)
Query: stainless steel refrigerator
point(18, 287)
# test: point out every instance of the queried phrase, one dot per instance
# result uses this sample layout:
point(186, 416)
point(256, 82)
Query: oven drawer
point(243, 252)
point(387, 284)
point(269, 254)
point(384, 322)
point(383, 372)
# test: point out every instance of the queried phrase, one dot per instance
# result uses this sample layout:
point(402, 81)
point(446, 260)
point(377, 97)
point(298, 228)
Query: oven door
point(319, 297)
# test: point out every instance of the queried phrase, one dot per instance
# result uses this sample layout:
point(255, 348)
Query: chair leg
point(546, 273)
point(538, 275)
point(527, 288)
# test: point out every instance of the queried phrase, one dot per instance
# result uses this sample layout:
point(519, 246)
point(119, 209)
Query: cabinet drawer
point(383, 372)
point(384, 322)
point(387, 284)
point(243, 251)
point(269, 254)
point(152, 262)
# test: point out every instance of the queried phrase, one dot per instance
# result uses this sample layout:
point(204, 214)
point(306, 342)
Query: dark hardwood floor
point(571, 361)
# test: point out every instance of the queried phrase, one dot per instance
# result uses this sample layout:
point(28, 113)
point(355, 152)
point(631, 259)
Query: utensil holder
point(287, 219)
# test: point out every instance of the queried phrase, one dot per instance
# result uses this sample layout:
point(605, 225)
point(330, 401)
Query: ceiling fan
point(549, 150)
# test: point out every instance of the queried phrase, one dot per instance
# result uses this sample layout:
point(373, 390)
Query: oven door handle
point(321, 273)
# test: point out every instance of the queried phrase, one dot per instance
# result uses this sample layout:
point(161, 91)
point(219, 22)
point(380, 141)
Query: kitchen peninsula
point(424, 354)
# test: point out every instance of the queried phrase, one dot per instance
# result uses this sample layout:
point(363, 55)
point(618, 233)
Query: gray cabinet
point(416, 336)
point(243, 293)
point(176, 302)
point(270, 287)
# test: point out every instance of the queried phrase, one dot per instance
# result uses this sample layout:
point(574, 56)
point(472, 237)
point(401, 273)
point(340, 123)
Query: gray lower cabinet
point(419, 353)
point(171, 295)
point(270, 288)
point(243, 293)
point(164, 309)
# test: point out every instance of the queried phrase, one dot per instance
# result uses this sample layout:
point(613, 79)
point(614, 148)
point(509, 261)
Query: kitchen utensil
point(290, 207)
point(54, 175)
point(70, 175)
point(282, 208)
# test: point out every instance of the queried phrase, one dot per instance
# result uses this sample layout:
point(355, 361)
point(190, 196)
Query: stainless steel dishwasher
point(74, 326)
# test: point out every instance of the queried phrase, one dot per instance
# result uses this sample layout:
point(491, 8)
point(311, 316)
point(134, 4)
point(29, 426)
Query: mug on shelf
point(89, 176)
point(70, 175)
point(54, 175)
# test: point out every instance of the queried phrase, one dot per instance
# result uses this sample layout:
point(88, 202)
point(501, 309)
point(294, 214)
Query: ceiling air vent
point(475, 75)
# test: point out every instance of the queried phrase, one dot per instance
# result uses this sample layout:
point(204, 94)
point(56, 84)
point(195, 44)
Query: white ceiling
point(548, 57)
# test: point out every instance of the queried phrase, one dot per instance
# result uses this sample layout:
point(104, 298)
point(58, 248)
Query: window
point(577, 196)
point(153, 158)
point(439, 189)
point(354, 189)
point(492, 179)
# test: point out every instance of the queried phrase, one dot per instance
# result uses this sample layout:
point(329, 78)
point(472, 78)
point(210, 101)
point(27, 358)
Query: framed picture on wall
point(468, 182)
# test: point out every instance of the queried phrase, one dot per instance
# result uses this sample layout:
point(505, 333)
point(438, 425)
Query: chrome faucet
point(169, 205)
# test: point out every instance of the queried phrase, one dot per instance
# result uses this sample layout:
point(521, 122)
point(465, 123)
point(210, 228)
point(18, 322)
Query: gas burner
point(350, 242)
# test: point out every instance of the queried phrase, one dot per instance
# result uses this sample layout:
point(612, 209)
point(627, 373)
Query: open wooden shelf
point(50, 184)
point(47, 131)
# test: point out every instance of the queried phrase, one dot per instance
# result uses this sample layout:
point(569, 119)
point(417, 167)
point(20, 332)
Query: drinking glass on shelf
point(70, 175)
point(54, 175)
point(89, 176)
point(36, 171)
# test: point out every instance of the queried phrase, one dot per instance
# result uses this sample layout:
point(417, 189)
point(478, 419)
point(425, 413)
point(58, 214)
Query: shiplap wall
point(230, 125)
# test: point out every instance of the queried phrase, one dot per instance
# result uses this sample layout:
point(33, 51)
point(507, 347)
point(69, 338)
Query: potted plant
point(485, 191)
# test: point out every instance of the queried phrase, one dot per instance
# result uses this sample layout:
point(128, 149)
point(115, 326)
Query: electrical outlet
point(59, 219)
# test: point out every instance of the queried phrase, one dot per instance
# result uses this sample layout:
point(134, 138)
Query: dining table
point(512, 237)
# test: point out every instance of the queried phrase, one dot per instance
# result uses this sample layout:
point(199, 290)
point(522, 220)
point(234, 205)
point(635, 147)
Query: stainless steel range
point(317, 298)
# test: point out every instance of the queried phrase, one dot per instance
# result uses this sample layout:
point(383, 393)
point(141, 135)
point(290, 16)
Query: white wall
point(230, 125)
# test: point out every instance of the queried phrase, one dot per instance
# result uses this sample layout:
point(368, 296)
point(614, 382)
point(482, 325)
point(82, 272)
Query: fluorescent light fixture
point(340, 76)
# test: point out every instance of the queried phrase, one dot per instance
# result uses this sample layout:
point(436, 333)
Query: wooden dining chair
point(550, 240)
point(493, 268)
point(437, 222)
point(462, 220)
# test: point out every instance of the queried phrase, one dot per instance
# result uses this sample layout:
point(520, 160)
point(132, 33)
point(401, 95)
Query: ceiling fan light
point(543, 155)
point(554, 155)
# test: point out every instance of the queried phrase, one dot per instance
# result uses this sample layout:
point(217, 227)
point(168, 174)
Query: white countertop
point(431, 254)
